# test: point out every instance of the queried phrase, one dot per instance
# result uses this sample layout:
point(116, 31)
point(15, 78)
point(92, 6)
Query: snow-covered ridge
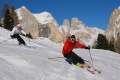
point(45, 17)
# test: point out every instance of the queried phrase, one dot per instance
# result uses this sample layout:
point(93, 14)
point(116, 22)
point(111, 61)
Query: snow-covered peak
point(75, 19)
point(24, 7)
point(18, 11)
point(21, 7)
point(45, 17)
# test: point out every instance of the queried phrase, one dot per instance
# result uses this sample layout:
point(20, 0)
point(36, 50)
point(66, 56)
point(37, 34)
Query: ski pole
point(87, 61)
point(91, 57)
point(29, 38)
point(5, 40)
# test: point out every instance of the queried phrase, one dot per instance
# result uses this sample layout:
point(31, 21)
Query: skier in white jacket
point(15, 34)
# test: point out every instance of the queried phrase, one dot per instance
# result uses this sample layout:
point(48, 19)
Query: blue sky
point(93, 13)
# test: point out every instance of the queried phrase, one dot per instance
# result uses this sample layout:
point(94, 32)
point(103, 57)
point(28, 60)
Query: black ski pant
point(20, 40)
point(75, 58)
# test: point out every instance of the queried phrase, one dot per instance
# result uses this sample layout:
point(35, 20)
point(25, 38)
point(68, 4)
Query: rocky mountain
point(45, 17)
point(48, 27)
point(113, 29)
point(28, 22)
point(65, 29)
point(84, 34)
point(66, 23)
point(44, 25)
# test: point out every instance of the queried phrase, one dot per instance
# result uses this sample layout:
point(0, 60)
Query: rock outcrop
point(113, 29)
point(28, 22)
point(44, 25)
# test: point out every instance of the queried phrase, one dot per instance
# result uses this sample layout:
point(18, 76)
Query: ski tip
point(29, 46)
point(99, 72)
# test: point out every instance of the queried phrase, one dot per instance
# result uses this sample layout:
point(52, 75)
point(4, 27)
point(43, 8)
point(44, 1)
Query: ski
point(30, 46)
point(98, 71)
point(55, 57)
point(93, 71)
point(27, 46)
point(86, 66)
point(83, 67)
point(67, 60)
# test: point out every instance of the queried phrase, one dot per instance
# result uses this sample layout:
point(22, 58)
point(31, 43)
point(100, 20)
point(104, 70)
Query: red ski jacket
point(68, 46)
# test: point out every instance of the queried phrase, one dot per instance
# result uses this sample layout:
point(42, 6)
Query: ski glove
point(12, 36)
point(27, 35)
point(87, 48)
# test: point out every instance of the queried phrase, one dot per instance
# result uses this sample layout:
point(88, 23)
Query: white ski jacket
point(17, 30)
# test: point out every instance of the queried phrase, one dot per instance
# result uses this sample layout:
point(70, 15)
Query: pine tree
point(8, 20)
point(117, 45)
point(102, 42)
point(30, 36)
point(0, 24)
point(14, 15)
point(2, 12)
point(111, 46)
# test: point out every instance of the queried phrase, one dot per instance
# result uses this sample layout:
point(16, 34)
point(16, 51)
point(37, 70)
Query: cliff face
point(48, 27)
point(44, 25)
point(28, 21)
point(84, 34)
point(113, 29)
point(50, 31)
point(55, 35)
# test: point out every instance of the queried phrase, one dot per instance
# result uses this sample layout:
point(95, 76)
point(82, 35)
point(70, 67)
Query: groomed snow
point(22, 63)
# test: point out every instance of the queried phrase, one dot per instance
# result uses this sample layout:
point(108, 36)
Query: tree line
point(8, 17)
point(103, 43)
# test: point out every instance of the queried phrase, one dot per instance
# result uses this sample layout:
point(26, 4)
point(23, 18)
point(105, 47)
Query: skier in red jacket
point(68, 53)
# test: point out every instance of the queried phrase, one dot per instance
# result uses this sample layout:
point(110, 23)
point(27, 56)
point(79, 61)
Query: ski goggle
point(73, 39)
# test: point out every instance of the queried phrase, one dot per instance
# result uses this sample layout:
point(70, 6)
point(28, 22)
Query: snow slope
point(22, 63)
